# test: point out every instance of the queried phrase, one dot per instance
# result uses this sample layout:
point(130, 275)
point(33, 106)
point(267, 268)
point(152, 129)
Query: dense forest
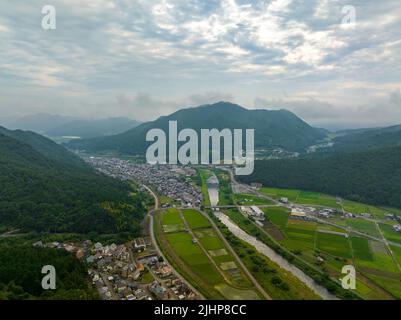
point(372, 177)
point(46, 188)
point(21, 277)
point(367, 139)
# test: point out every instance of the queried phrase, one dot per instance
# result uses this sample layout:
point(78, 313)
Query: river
point(213, 190)
point(272, 255)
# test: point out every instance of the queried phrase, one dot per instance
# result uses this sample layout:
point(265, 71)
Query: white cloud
point(171, 50)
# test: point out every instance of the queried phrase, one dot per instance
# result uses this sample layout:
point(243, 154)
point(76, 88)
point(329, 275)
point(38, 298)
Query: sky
point(147, 58)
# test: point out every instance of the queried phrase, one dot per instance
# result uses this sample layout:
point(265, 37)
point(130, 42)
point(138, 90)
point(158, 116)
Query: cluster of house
point(396, 227)
point(310, 213)
point(169, 285)
point(117, 270)
point(170, 180)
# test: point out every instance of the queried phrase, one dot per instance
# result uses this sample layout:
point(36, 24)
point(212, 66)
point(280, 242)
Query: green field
point(361, 249)
point(204, 175)
point(202, 257)
point(314, 198)
point(277, 215)
point(225, 193)
point(302, 197)
point(195, 220)
point(333, 244)
point(397, 253)
point(194, 257)
point(291, 194)
point(172, 221)
point(358, 208)
point(389, 233)
point(364, 226)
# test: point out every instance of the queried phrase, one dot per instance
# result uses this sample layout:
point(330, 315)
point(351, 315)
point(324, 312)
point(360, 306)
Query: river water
point(272, 255)
point(213, 191)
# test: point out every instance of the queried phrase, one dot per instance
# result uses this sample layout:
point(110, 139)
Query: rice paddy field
point(195, 249)
point(330, 247)
point(337, 247)
point(302, 197)
point(320, 199)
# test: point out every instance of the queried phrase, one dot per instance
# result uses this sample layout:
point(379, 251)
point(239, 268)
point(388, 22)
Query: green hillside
point(273, 129)
point(372, 177)
point(368, 139)
point(46, 188)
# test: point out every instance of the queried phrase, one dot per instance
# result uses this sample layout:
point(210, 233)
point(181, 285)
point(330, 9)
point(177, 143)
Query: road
point(156, 246)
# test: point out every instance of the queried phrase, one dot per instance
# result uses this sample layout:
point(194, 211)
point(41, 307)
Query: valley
point(312, 233)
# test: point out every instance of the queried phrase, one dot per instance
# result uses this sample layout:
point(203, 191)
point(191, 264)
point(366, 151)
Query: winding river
point(272, 255)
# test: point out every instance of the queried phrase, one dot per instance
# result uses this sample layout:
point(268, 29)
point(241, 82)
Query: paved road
point(156, 246)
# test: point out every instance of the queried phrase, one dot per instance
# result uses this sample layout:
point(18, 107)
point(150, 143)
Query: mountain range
point(60, 126)
point(273, 129)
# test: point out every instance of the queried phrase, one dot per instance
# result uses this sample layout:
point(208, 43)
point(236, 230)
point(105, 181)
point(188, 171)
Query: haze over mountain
point(93, 128)
point(44, 187)
point(273, 128)
point(364, 139)
point(40, 123)
point(60, 126)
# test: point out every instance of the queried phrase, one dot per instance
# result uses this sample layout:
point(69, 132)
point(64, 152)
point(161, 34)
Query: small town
point(171, 181)
point(132, 271)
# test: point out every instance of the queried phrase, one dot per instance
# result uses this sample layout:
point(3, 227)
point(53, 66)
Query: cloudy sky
point(146, 58)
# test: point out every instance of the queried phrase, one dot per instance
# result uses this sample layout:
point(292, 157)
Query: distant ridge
point(273, 128)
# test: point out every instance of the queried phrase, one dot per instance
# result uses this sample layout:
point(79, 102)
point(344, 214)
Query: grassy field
point(277, 282)
point(195, 220)
point(291, 194)
point(358, 208)
point(171, 221)
point(225, 194)
point(364, 226)
point(302, 197)
point(204, 175)
point(333, 244)
point(389, 233)
point(277, 215)
point(202, 257)
point(361, 249)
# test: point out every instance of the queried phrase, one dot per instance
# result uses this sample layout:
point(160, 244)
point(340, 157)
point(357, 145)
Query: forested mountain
point(371, 176)
point(93, 128)
point(276, 128)
point(367, 139)
point(46, 188)
point(20, 276)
